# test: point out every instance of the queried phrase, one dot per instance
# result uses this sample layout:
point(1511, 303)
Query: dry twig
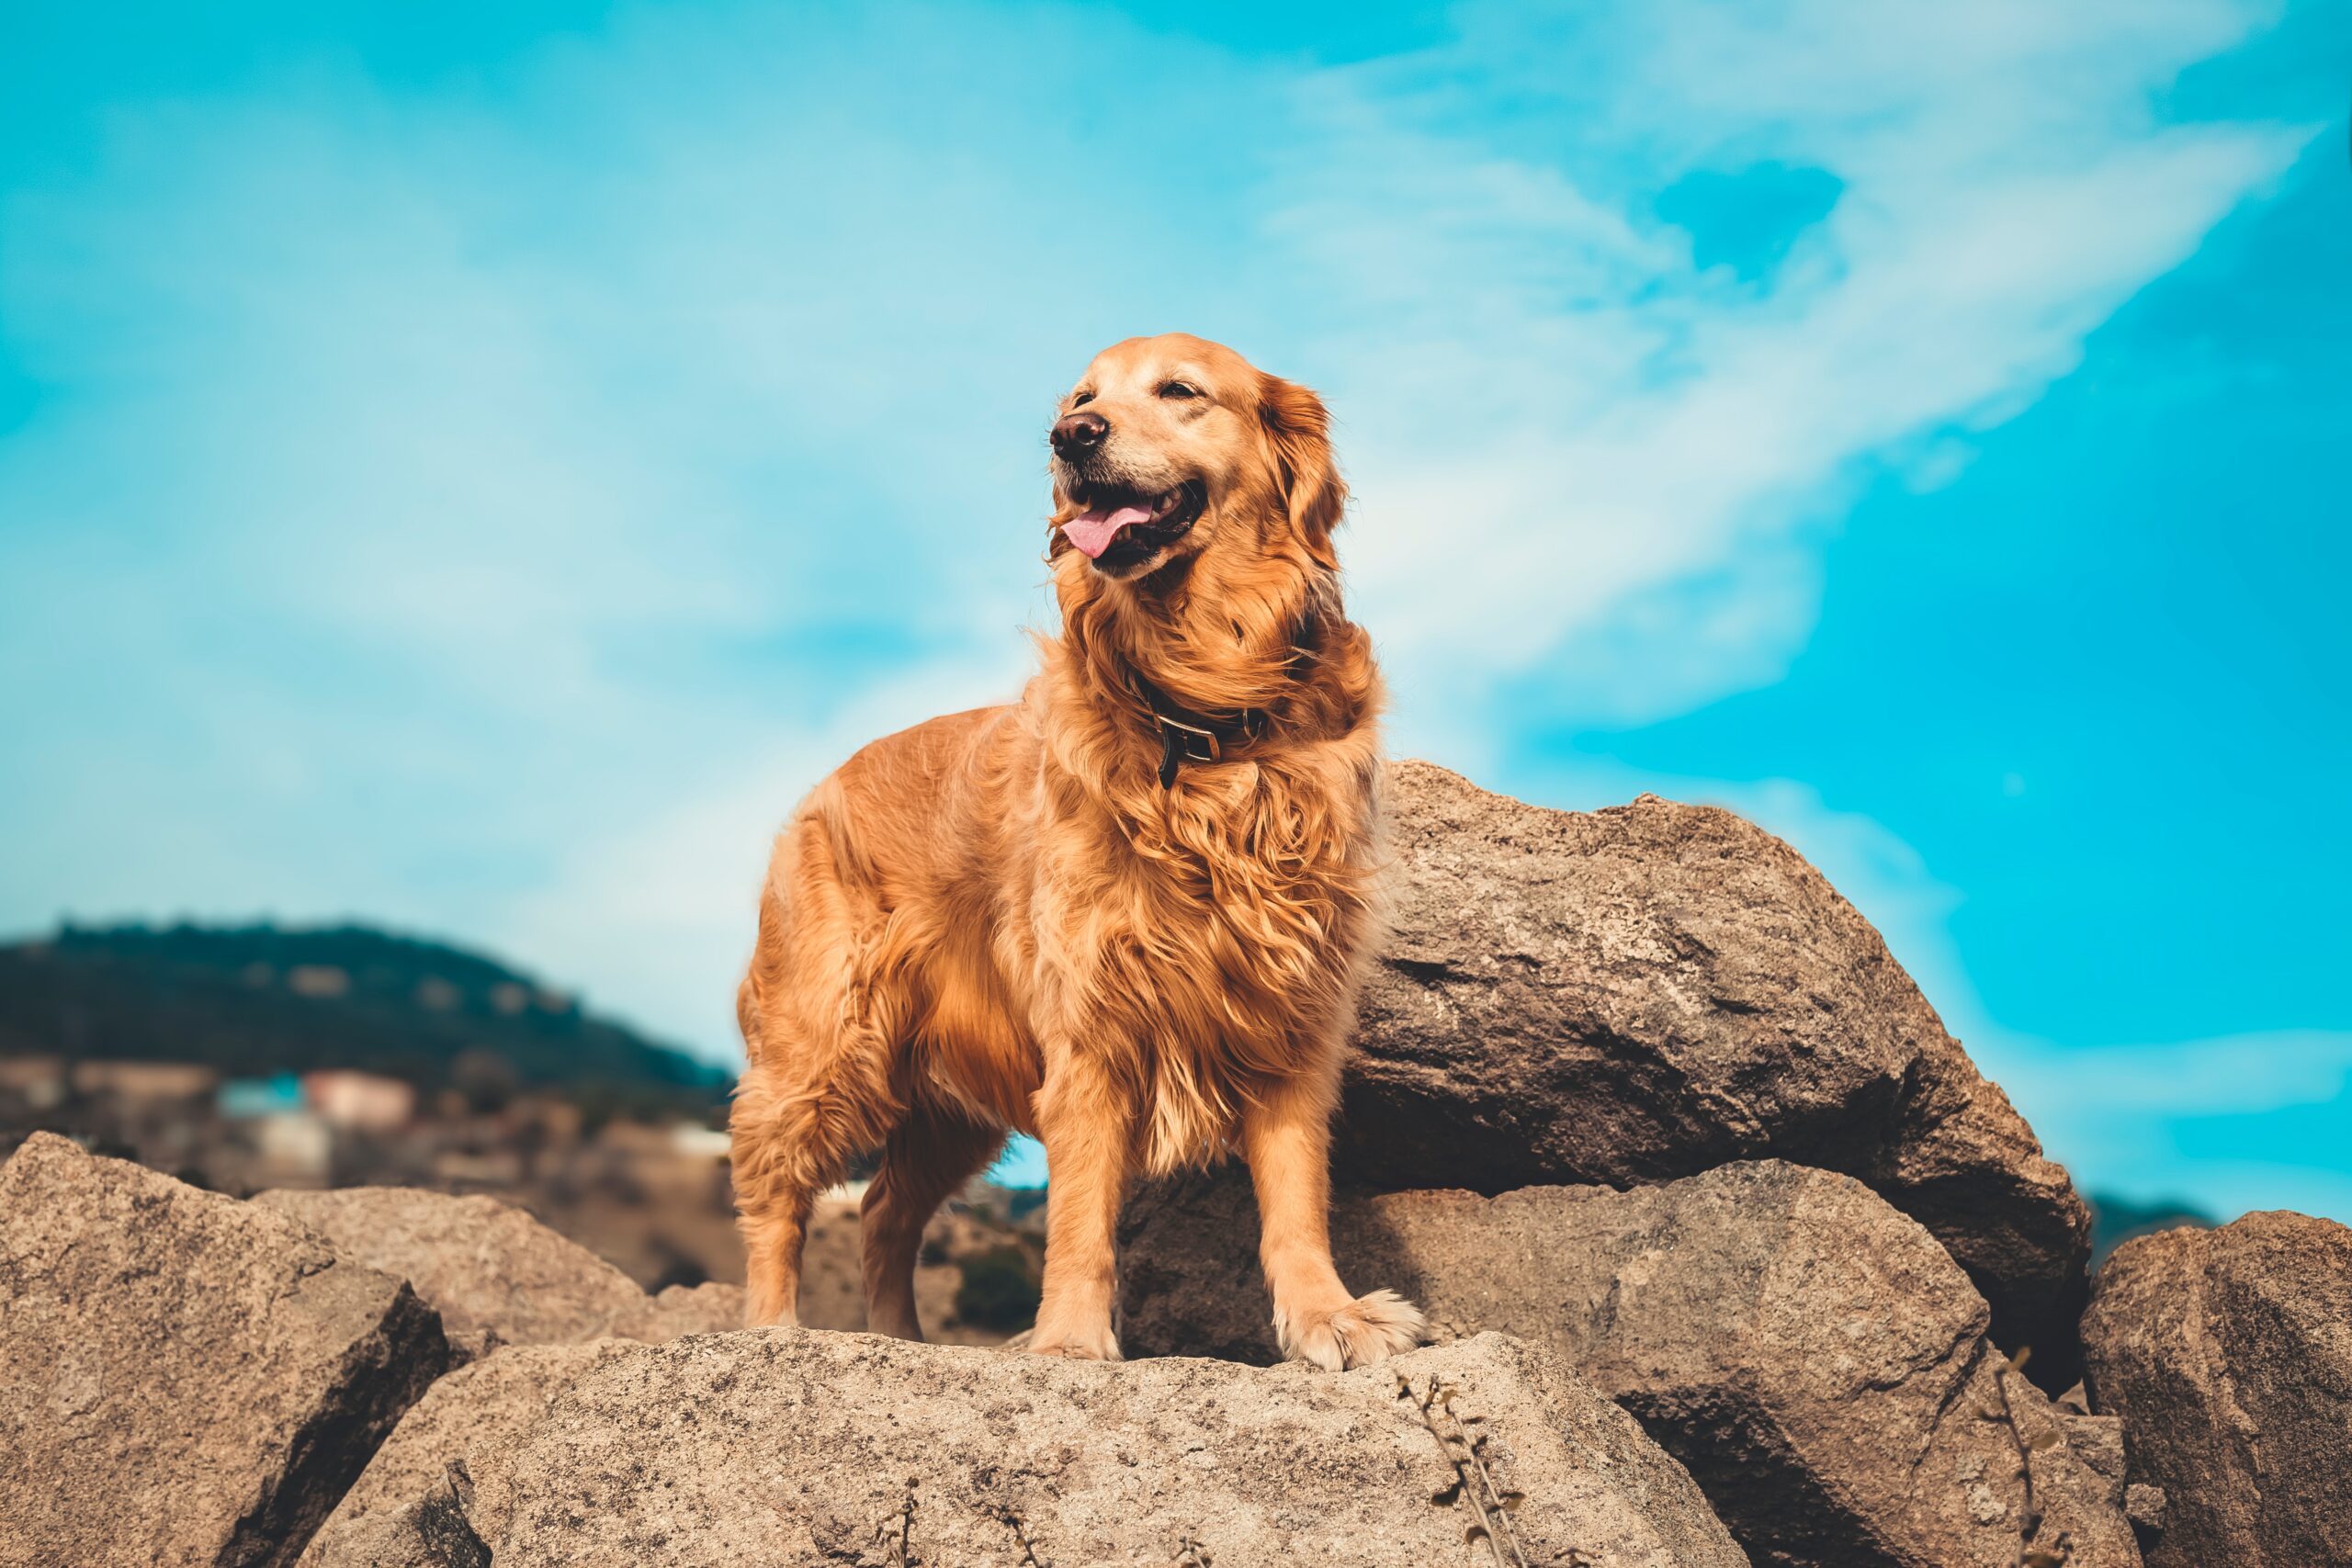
point(1473, 1481)
point(898, 1551)
point(1029, 1558)
point(2033, 1552)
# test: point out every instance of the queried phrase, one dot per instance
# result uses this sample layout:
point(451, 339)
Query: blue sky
point(473, 468)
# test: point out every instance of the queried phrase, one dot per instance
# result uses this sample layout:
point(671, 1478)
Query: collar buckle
point(1180, 743)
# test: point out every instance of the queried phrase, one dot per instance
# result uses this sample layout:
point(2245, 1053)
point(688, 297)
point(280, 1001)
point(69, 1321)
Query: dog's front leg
point(1287, 1138)
point(1086, 1121)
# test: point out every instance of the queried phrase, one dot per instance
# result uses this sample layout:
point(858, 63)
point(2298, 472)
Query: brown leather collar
point(1190, 735)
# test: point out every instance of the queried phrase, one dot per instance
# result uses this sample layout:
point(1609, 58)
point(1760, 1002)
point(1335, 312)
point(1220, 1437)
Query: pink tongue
point(1093, 531)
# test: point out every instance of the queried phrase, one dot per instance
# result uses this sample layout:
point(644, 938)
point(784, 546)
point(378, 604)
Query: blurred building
point(363, 1102)
point(145, 1083)
point(33, 1083)
point(294, 1148)
point(250, 1100)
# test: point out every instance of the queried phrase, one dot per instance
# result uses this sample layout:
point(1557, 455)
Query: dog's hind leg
point(924, 1162)
point(771, 1200)
point(792, 1140)
point(820, 1013)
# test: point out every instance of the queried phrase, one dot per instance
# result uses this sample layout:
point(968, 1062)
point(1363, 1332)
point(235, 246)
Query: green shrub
point(999, 1290)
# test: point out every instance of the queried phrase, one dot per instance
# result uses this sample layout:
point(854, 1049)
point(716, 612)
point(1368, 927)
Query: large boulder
point(2228, 1354)
point(801, 1445)
point(1811, 1356)
point(184, 1378)
point(496, 1274)
point(1643, 993)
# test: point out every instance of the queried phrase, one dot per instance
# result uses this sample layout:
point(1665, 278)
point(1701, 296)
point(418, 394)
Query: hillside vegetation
point(257, 999)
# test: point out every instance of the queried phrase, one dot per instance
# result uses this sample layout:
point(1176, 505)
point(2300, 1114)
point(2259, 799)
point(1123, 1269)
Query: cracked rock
point(184, 1378)
point(1644, 993)
point(471, 1422)
point(2228, 1354)
point(799, 1446)
point(1811, 1355)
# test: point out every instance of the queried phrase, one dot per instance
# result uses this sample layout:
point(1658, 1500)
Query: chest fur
point(1212, 941)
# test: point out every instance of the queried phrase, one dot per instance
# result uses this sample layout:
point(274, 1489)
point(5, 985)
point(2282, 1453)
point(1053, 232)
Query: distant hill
point(253, 1001)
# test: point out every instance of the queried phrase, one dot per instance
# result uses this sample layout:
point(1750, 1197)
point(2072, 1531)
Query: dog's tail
point(826, 954)
point(747, 995)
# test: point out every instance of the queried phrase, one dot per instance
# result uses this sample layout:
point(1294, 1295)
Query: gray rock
point(2228, 1354)
point(797, 1446)
point(184, 1378)
point(496, 1274)
point(471, 1422)
point(1641, 993)
point(1811, 1356)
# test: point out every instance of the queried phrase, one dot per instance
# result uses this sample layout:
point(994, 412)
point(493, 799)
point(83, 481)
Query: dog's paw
point(1081, 1344)
point(768, 1311)
point(1370, 1329)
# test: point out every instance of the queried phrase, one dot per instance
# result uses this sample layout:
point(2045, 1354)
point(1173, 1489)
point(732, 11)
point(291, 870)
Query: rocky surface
point(496, 1274)
point(184, 1378)
point(797, 1446)
point(1646, 992)
point(2228, 1354)
point(470, 1423)
point(1812, 1355)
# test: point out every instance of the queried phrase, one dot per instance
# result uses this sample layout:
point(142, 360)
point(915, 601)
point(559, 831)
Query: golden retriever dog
point(1127, 914)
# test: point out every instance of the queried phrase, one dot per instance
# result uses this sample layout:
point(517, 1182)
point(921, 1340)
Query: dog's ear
point(1298, 430)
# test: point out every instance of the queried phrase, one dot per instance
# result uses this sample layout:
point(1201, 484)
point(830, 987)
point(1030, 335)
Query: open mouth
point(1120, 527)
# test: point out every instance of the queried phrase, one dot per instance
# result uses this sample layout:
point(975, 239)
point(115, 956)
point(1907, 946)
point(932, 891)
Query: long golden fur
point(1002, 919)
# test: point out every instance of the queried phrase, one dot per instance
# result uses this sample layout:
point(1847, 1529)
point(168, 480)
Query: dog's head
point(1171, 448)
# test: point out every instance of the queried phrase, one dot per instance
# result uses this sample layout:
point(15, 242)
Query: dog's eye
point(1180, 389)
point(1081, 401)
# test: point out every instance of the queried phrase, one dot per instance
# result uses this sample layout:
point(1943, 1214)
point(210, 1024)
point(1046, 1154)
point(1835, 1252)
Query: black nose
point(1079, 434)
